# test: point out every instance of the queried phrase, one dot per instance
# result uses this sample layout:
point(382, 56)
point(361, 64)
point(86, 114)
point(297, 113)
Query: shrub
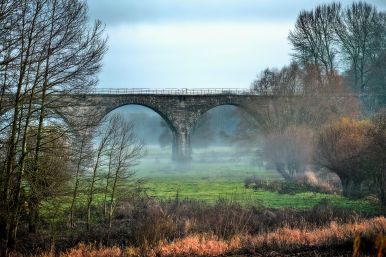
point(299, 185)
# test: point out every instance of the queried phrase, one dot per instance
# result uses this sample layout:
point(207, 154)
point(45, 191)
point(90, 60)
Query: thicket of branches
point(351, 40)
point(46, 47)
point(317, 121)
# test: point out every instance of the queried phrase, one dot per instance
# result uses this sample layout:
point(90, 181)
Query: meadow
point(204, 209)
point(219, 173)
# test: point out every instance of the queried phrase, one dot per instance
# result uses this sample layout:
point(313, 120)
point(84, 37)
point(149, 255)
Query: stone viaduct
point(180, 108)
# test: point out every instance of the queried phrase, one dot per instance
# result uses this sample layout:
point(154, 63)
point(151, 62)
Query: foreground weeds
point(283, 241)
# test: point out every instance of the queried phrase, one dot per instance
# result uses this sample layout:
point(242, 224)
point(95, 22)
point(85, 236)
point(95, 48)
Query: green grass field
point(221, 176)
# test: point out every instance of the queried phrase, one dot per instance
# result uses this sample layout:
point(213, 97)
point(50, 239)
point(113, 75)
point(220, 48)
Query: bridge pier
point(181, 147)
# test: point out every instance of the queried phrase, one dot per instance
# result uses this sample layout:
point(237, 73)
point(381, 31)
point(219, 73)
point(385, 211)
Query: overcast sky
point(195, 43)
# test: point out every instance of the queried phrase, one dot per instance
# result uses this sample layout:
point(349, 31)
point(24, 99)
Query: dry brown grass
point(82, 250)
point(283, 239)
point(334, 234)
point(89, 251)
point(195, 245)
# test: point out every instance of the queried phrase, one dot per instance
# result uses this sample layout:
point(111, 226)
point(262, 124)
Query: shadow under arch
point(225, 127)
point(159, 113)
point(247, 108)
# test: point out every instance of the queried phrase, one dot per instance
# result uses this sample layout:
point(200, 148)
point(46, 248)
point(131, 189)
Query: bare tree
point(305, 100)
point(105, 138)
point(360, 30)
point(350, 40)
point(313, 38)
point(82, 159)
point(125, 152)
point(289, 151)
point(48, 47)
point(51, 179)
point(275, 82)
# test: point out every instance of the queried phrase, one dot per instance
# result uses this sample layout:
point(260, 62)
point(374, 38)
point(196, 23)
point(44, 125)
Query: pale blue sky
point(195, 43)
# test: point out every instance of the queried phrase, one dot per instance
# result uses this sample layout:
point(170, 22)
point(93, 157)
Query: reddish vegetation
point(197, 245)
point(283, 239)
point(88, 251)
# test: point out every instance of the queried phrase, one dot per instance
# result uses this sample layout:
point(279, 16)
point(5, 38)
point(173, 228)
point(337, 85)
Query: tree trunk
point(91, 193)
point(34, 201)
point(77, 173)
point(281, 170)
point(93, 181)
point(351, 188)
point(34, 215)
point(15, 132)
point(382, 187)
point(108, 182)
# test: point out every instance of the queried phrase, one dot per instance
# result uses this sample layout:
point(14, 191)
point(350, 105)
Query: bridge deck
point(207, 91)
point(173, 91)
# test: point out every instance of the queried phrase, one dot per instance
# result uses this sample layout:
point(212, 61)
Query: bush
point(299, 185)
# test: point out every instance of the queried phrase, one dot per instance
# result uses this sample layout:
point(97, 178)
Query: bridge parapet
point(210, 91)
point(172, 91)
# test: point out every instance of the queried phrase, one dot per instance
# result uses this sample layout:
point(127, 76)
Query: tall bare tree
point(125, 152)
point(105, 137)
point(360, 30)
point(313, 38)
point(350, 40)
point(49, 48)
point(81, 158)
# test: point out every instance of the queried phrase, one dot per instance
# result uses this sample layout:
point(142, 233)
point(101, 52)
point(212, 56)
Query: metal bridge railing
point(203, 91)
point(173, 91)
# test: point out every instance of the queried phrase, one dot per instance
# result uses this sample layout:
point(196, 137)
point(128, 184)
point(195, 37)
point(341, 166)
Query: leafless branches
point(46, 46)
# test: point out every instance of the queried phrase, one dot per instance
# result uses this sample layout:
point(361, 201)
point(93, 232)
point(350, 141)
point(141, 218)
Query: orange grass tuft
point(196, 245)
point(83, 250)
point(281, 239)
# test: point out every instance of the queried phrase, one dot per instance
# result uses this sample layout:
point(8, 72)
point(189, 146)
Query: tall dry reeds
point(281, 240)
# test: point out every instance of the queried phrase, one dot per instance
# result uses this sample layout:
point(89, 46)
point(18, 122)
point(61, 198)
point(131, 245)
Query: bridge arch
point(180, 146)
point(215, 104)
point(163, 115)
point(219, 124)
